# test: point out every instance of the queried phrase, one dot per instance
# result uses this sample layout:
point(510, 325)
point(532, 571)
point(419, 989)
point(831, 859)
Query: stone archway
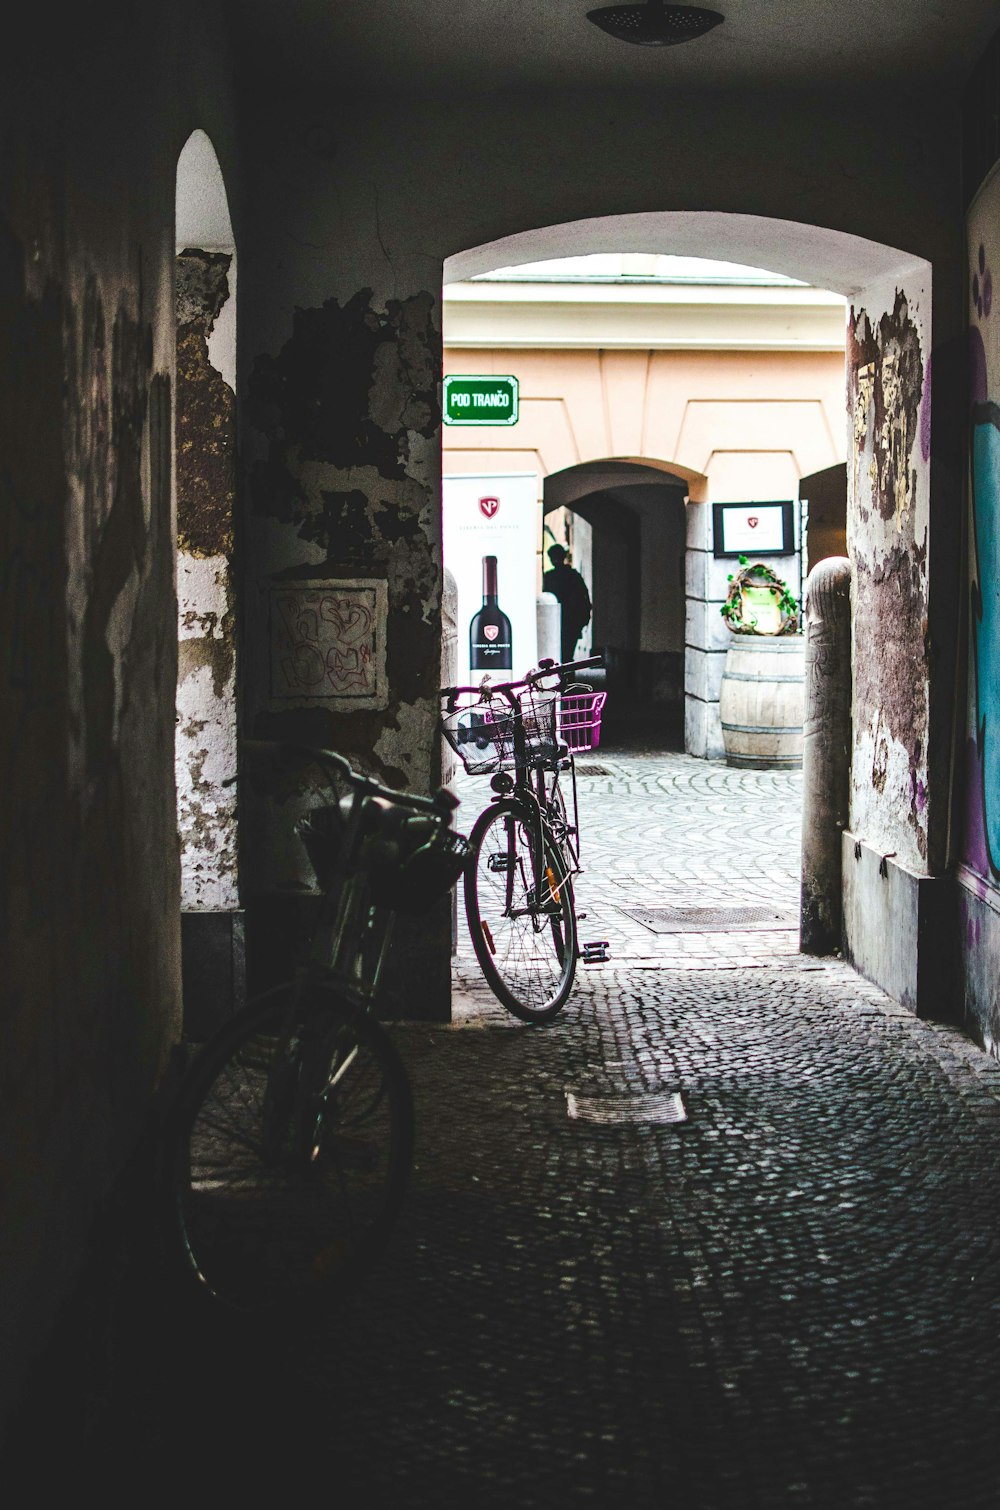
point(898, 805)
point(888, 393)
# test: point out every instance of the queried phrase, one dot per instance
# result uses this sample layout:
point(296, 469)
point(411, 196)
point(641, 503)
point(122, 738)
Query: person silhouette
point(565, 583)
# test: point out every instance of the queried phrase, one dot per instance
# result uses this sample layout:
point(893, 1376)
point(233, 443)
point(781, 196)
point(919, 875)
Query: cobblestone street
point(790, 1298)
point(665, 829)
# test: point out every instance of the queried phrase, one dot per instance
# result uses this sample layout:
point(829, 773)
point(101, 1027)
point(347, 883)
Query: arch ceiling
point(825, 258)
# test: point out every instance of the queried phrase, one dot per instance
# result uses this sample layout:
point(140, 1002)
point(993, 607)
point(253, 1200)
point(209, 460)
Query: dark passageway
point(223, 476)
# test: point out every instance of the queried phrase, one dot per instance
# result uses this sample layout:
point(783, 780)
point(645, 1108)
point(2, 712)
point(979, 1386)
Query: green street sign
point(480, 401)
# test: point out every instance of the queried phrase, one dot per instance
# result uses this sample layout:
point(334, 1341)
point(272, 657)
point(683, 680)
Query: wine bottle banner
point(490, 637)
point(490, 542)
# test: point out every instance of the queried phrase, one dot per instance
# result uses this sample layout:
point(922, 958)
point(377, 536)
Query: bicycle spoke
point(266, 1215)
point(527, 961)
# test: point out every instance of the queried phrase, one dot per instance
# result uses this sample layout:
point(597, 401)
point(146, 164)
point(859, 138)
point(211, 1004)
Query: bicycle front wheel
point(522, 917)
point(288, 1153)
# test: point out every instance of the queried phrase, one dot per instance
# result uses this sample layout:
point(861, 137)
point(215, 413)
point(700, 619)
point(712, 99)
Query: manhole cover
point(711, 919)
point(592, 770)
point(623, 1111)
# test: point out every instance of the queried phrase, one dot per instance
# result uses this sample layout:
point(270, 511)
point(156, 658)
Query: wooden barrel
point(762, 702)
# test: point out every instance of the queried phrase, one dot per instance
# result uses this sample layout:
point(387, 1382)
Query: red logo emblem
point(489, 506)
point(491, 631)
point(753, 522)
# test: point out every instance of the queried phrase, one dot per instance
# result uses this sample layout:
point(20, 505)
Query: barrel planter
point(762, 702)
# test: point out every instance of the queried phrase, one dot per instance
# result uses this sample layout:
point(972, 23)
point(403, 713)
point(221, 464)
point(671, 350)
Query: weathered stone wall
point(343, 591)
point(206, 590)
point(888, 532)
point(91, 123)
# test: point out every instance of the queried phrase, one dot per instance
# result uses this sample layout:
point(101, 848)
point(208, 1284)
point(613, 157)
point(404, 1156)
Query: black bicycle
point(289, 1147)
point(519, 897)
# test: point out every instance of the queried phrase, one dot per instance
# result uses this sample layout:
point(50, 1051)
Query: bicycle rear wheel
point(525, 943)
point(288, 1156)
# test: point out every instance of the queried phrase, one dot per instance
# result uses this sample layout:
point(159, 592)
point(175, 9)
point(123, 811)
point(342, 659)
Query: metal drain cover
point(592, 770)
point(711, 919)
point(624, 1111)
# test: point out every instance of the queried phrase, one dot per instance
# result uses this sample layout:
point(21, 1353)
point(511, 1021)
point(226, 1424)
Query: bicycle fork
point(542, 894)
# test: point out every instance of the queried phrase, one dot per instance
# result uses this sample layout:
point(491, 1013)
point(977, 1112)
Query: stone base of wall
point(899, 930)
point(978, 920)
point(213, 970)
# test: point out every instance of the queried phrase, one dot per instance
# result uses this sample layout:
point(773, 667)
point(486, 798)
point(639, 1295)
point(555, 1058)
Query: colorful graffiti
point(982, 837)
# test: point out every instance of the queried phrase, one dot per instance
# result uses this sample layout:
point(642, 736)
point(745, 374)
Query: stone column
point(826, 752)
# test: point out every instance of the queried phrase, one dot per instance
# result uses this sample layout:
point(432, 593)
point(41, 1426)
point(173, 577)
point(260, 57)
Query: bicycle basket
point(484, 735)
point(580, 719)
point(419, 877)
point(478, 734)
point(412, 858)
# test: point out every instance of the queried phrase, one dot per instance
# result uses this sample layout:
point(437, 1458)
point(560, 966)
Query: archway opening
point(625, 528)
point(886, 377)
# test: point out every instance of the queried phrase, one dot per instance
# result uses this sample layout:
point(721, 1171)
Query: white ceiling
point(427, 46)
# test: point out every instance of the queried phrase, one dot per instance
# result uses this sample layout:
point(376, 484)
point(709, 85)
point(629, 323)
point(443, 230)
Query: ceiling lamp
point(654, 24)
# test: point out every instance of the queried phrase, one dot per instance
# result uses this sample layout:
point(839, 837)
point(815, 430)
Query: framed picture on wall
point(753, 529)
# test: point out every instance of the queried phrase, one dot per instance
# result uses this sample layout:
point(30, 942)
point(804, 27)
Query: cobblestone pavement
point(791, 1298)
point(661, 830)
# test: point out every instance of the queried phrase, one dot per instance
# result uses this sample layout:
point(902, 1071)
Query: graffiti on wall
point(982, 835)
point(327, 643)
point(888, 397)
point(886, 389)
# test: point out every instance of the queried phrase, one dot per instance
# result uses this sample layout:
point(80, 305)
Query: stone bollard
point(826, 752)
point(548, 616)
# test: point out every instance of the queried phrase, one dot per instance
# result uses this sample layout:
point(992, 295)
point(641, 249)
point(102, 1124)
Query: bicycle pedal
point(596, 952)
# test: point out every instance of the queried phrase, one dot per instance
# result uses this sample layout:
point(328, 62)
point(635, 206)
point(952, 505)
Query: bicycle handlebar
point(544, 670)
point(442, 803)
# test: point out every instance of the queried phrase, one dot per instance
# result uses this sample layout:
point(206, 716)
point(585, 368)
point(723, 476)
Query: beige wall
point(736, 425)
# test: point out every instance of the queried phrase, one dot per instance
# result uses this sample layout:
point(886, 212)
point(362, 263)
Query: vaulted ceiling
point(423, 47)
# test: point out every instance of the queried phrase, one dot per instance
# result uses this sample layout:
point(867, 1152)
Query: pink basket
point(580, 719)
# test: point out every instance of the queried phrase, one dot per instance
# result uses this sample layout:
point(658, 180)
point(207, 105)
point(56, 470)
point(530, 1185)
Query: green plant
point(758, 582)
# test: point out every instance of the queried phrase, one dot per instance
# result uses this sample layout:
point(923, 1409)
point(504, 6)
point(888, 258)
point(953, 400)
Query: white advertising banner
point(493, 519)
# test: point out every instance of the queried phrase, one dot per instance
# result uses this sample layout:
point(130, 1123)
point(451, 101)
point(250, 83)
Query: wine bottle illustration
point(489, 632)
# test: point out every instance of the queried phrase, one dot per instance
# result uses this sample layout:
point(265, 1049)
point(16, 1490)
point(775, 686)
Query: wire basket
point(425, 874)
point(580, 719)
point(418, 857)
point(484, 736)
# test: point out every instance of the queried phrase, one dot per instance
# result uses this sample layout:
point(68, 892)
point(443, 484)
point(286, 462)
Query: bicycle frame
point(350, 942)
point(529, 784)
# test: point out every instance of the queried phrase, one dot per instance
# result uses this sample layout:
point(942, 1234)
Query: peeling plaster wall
point(344, 591)
point(888, 530)
point(91, 122)
point(344, 487)
point(206, 672)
